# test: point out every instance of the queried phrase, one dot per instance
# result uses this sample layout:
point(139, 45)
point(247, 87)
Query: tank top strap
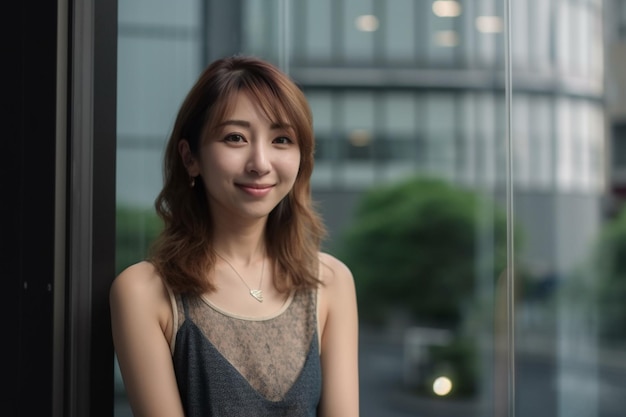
point(180, 313)
point(185, 302)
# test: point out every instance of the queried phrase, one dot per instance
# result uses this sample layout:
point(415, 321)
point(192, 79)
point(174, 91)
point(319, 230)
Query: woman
point(237, 312)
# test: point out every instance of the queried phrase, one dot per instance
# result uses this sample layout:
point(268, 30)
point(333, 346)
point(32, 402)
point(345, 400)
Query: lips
point(256, 190)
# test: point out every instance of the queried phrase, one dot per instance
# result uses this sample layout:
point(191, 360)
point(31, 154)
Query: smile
point(255, 190)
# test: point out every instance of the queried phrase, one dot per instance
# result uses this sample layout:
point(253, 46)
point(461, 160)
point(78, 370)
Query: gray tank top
point(231, 366)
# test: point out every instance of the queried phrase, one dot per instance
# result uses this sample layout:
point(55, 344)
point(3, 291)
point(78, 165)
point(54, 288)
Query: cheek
point(294, 166)
point(214, 162)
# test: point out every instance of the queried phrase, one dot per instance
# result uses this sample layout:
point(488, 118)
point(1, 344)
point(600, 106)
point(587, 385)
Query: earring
point(192, 183)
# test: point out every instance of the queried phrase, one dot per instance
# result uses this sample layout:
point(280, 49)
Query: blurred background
point(433, 173)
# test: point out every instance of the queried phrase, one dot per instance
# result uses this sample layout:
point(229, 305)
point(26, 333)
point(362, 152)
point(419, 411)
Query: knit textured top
point(231, 366)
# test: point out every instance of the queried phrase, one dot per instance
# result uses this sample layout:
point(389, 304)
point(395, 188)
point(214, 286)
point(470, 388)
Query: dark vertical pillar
point(27, 203)
point(91, 204)
point(103, 226)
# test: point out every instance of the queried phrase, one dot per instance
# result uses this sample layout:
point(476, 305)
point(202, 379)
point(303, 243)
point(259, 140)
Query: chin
point(257, 214)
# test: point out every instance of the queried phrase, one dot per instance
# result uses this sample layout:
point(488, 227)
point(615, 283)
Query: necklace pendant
point(258, 294)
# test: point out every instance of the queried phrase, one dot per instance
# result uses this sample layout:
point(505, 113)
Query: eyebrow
point(243, 123)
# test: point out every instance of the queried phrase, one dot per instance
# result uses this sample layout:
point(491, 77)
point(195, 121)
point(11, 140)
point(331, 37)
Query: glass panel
point(359, 28)
point(569, 207)
point(410, 120)
point(159, 57)
point(399, 31)
point(318, 37)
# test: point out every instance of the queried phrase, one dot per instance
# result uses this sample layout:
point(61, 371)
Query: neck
point(240, 244)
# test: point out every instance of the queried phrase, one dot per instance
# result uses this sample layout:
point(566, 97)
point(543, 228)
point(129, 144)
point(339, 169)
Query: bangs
point(280, 103)
point(284, 107)
point(272, 105)
point(220, 109)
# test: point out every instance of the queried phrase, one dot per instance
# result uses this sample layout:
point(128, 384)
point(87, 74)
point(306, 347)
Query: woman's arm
point(141, 319)
point(339, 340)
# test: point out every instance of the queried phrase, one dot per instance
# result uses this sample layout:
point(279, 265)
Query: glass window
point(399, 30)
point(436, 302)
point(564, 44)
point(322, 108)
point(444, 39)
point(488, 22)
point(468, 34)
point(596, 41)
point(358, 111)
point(359, 26)
point(520, 34)
point(159, 57)
point(317, 33)
point(147, 13)
point(440, 130)
point(540, 27)
point(621, 13)
point(486, 151)
point(260, 26)
point(521, 142)
point(619, 135)
point(468, 128)
point(583, 37)
point(597, 157)
point(566, 129)
point(400, 114)
point(541, 147)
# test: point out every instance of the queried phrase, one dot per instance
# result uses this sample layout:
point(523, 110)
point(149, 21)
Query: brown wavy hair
point(183, 253)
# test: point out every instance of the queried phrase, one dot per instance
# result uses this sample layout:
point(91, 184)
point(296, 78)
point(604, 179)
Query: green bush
point(135, 230)
point(415, 245)
point(606, 279)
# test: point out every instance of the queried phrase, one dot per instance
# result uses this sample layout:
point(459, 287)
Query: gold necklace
point(257, 294)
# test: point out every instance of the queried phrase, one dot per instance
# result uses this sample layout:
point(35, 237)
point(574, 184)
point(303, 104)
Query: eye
point(234, 138)
point(282, 140)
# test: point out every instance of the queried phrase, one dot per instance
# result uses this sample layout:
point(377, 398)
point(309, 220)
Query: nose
point(258, 159)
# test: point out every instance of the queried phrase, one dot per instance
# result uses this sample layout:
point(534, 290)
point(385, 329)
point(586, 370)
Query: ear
point(189, 160)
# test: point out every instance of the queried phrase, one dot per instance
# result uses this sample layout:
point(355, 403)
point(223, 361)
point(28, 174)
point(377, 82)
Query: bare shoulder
point(337, 314)
point(334, 273)
point(141, 277)
point(140, 285)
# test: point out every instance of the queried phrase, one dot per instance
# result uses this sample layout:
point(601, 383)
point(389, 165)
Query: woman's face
point(248, 163)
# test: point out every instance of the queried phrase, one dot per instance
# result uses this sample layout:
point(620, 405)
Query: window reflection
point(417, 92)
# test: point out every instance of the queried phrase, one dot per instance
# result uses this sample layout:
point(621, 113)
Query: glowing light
point(367, 23)
point(446, 38)
point(489, 24)
point(442, 386)
point(446, 8)
point(360, 138)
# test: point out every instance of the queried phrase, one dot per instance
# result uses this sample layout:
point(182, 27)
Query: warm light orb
point(446, 8)
point(442, 386)
point(360, 137)
point(489, 24)
point(367, 23)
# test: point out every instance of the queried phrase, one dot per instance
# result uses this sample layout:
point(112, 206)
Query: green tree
point(414, 245)
point(606, 278)
point(135, 230)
